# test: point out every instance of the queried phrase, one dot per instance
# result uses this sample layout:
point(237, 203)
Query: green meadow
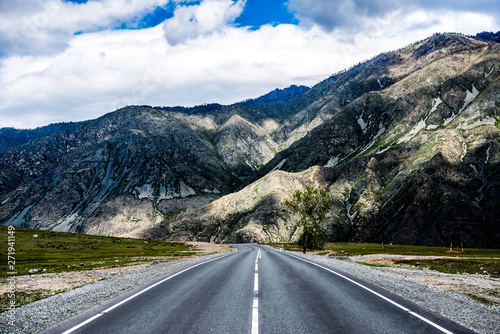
point(57, 251)
point(470, 260)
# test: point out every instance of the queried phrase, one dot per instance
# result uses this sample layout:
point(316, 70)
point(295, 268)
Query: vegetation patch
point(353, 249)
point(378, 265)
point(464, 266)
point(25, 297)
point(482, 300)
point(51, 252)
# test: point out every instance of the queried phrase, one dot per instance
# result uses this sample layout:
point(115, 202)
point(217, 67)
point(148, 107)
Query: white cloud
point(183, 62)
point(192, 21)
point(102, 71)
point(348, 15)
point(45, 26)
point(356, 16)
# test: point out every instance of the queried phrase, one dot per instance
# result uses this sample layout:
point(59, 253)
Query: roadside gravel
point(35, 317)
point(405, 282)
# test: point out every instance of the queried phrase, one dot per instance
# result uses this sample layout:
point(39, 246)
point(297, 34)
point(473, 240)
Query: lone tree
point(312, 205)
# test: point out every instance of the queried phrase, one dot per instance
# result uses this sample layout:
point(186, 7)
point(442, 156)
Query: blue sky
point(255, 14)
point(260, 12)
point(77, 60)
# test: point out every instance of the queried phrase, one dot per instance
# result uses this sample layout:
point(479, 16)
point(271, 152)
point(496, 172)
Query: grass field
point(57, 251)
point(453, 266)
point(350, 249)
point(53, 252)
point(471, 260)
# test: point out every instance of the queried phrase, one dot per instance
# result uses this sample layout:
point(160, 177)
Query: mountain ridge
point(405, 142)
point(356, 138)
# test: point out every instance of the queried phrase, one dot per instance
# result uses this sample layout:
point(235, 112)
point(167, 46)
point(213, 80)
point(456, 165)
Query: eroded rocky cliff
point(411, 148)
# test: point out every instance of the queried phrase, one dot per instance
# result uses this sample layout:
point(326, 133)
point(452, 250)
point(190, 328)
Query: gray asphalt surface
point(292, 296)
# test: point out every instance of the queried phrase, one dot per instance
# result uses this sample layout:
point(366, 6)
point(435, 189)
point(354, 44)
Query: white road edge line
point(138, 293)
point(444, 330)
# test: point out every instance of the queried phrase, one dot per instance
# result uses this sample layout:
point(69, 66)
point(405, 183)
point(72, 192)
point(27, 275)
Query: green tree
point(497, 121)
point(312, 205)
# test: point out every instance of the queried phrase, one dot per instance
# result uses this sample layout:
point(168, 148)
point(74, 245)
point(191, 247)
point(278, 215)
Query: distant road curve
point(257, 290)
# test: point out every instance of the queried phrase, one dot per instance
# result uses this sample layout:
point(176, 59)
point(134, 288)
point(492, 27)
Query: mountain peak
point(278, 95)
point(489, 36)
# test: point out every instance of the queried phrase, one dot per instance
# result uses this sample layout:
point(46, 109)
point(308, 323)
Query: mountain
point(134, 167)
point(279, 95)
point(489, 36)
point(410, 151)
point(407, 143)
point(10, 137)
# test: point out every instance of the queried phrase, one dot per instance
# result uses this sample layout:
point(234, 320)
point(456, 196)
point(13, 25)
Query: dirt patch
point(52, 282)
point(206, 247)
point(30, 288)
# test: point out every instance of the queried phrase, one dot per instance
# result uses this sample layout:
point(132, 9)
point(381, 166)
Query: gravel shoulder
point(445, 294)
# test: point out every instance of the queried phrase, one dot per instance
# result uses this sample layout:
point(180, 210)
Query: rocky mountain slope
point(406, 143)
point(10, 137)
point(134, 167)
point(410, 151)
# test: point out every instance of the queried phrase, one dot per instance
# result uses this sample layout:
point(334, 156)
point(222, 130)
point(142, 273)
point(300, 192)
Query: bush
point(312, 240)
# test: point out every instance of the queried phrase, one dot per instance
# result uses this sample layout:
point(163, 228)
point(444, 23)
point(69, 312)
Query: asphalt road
point(258, 290)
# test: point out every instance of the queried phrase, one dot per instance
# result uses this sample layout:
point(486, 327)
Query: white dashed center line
point(256, 284)
point(255, 304)
point(255, 316)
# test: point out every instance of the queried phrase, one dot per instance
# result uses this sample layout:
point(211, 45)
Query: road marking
point(255, 306)
point(255, 316)
point(444, 330)
point(256, 276)
point(83, 323)
point(138, 293)
point(256, 284)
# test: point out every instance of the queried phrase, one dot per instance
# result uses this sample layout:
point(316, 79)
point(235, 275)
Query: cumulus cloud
point(192, 21)
point(102, 71)
point(367, 16)
point(46, 26)
point(197, 56)
point(345, 14)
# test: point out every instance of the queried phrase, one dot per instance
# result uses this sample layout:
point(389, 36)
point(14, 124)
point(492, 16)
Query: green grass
point(62, 252)
point(366, 248)
point(482, 259)
point(58, 251)
point(376, 265)
point(23, 298)
point(452, 266)
point(482, 300)
point(351, 249)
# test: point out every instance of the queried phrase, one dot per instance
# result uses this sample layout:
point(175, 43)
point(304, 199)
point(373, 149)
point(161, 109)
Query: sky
point(73, 60)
